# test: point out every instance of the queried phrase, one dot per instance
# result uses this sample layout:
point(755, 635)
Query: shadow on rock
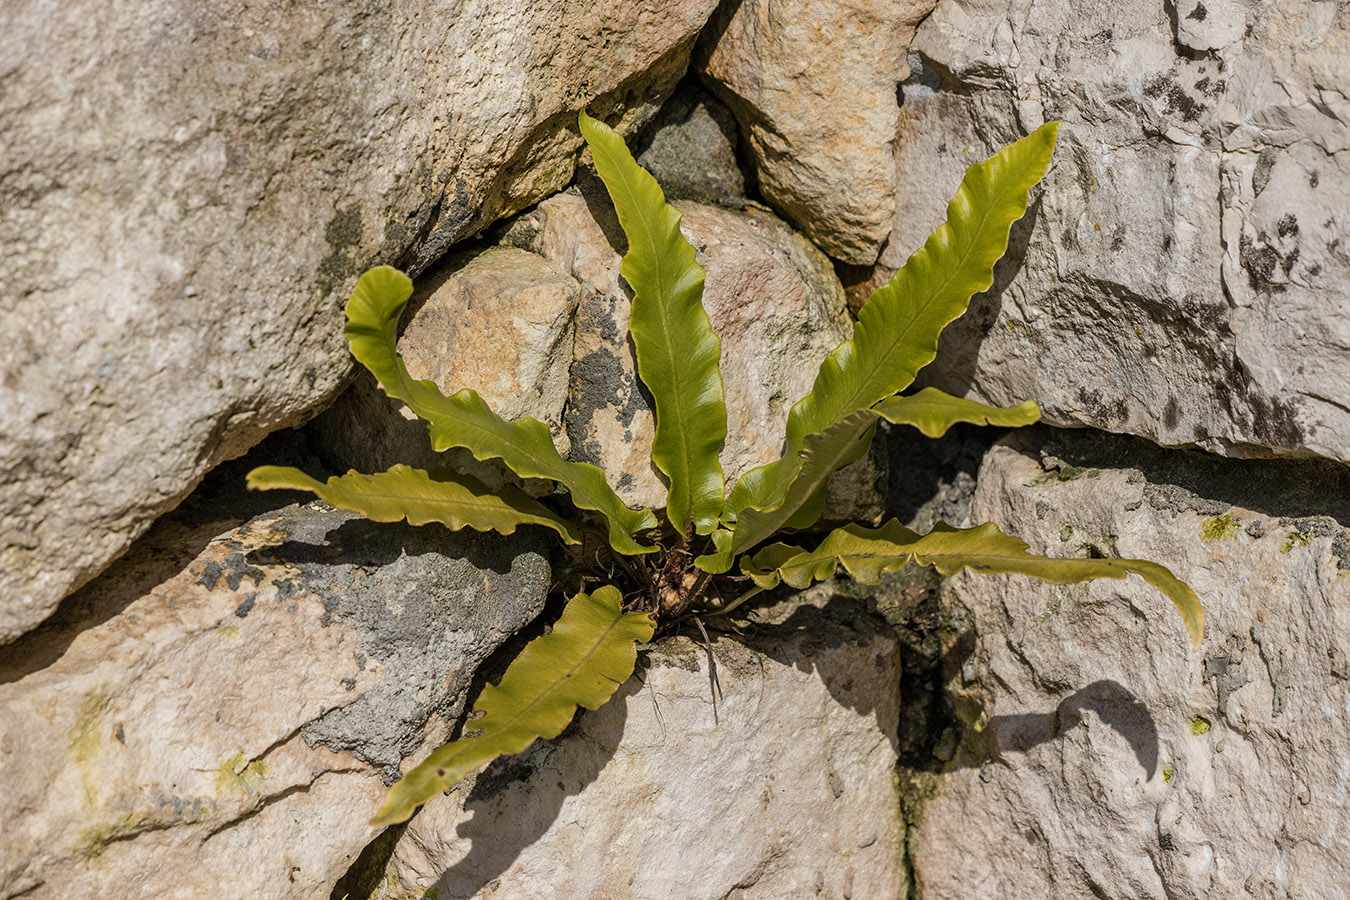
point(219, 505)
point(518, 799)
point(805, 638)
point(1113, 703)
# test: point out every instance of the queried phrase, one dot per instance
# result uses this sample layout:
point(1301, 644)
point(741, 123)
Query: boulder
point(190, 190)
point(782, 787)
point(813, 86)
point(502, 322)
point(220, 713)
point(772, 297)
point(692, 147)
point(1105, 759)
point(1181, 274)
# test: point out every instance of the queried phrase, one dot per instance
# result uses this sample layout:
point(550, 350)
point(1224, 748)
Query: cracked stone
point(173, 720)
point(792, 778)
point(1108, 733)
point(1181, 273)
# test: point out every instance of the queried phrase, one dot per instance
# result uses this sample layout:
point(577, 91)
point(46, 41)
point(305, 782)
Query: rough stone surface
point(772, 298)
point(219, 714)
point(1110, 761)
point(502, 323)
point(691, 147)
point(813, 85)
point(786, 791)
point(189, 190)
point(1182, 275)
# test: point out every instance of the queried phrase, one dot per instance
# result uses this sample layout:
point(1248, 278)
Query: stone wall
point(204, 691)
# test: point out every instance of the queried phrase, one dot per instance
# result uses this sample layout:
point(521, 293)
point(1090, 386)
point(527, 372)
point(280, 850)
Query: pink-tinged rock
point(502, 323)
point(772, 297)
point(813, 85)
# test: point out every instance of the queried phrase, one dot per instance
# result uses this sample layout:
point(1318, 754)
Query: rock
point(189, 192)
point(1109, 760)
point(1180, 276)
point(772, 298)
point(814, 88)
point(787, 790)
point(502, 323)
point(691, 148)
point(220, 713)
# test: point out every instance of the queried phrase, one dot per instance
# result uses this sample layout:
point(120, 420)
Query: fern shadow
point(517, 799)
point(1113, 703)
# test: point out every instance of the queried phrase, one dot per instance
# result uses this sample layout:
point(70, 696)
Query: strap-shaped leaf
point(933, 412)
point(450, 498)
point(845, 442)
point(589, 654)
point(868, 552)
point(677, 351)
point(464, 420)
point(898, 328)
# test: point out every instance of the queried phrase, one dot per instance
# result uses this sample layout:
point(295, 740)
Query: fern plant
point(677, 561)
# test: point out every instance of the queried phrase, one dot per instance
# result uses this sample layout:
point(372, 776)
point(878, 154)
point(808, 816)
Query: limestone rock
point(1114, 762)
point(501, 323)
point(218, 715)
point(787, 791)
point(772, 298)
point(813, 85)
point(189, 191)
point(1181, 275)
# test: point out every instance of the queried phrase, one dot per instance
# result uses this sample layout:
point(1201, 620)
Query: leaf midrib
point(853, 403)
point(595, 648)
point(676, 379)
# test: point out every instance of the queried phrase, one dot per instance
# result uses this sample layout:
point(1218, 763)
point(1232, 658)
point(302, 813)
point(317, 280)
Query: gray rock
point(1108, 759)
point(502, 323)
point(221, 712)
point(691, 148)
point(189, 192)
point(1181, 275)
point(814, 88)
point(772, 298)
point(786, 790)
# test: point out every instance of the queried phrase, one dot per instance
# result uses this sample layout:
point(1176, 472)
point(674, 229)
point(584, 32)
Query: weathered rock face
point(1113, 762)
point(220, 713)
point(189, 191)
point(1182, 275)
point(501, 323)
point(786, 791)
point(813, 86)
point(772, 297)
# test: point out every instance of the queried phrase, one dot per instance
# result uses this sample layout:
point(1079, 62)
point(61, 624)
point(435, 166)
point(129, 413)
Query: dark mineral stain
point(236, 569)
point(1198, 14)
point(1172, 413)
point(208, 574)
point(1175, 100)
point(343, 235)
point(1287, 226)
point(598, 381)
point(243, 609)
point(1260, 263)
